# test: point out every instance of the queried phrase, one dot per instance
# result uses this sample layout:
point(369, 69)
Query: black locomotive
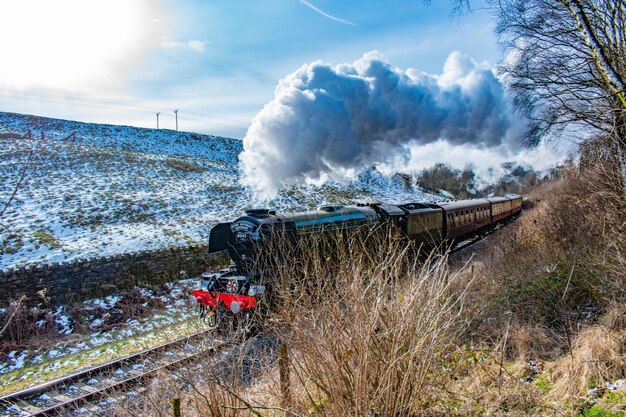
point(237, 290)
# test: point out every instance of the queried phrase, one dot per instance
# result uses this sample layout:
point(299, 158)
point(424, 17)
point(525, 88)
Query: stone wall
point(81, 279)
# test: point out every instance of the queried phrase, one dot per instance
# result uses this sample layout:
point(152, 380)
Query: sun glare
point(70, 44)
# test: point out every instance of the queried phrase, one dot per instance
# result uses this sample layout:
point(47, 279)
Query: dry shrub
point(531, 343)
point(365, 324)
point(480, 383)
point(595, 359)
point(561, 265)
point(23, 326)
point(588, 220)
point(615, 317)
point(558, 269)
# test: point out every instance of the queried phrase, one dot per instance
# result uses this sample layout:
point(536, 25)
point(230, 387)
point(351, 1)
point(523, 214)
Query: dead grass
point(45, 238)
point(183, 166)
point(372, 348)
point(365, 322)
point(560, 266)
point(596, 359)
point(25, 326)
point(549, 304)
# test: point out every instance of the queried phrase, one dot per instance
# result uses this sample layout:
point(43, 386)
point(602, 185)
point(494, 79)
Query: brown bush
point(596, 358)
point(365, 320)
point(23, 326)
point(560, 265)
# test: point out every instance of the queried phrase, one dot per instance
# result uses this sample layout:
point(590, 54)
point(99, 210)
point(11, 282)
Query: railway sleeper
point(27, 407)
point(84, 387)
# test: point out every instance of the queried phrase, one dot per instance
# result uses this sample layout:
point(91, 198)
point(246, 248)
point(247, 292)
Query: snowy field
point(116, 189)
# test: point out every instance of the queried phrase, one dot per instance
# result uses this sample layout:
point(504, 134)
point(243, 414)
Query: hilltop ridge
point(110, 189)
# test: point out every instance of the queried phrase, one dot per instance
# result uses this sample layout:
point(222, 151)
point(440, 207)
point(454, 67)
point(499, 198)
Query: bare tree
point(565, 63)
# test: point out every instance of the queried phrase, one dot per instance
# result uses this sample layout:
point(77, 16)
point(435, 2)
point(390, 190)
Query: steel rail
point(88, 393)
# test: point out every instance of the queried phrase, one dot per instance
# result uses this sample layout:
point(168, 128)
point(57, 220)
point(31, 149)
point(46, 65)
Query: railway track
point(469, 242)
point(82, 389)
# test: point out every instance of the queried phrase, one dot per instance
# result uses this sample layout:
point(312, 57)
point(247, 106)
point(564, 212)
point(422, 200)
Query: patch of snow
point(126, 333)
point(146, 292)
point(63, 321)
point(14, 409)
point(616, 385)
point(95, 323)
point(100, 339)
point(54, 353)
point(445, 194)
point(17, 359)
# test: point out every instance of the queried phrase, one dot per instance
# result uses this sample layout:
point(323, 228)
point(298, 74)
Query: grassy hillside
point(94, 189)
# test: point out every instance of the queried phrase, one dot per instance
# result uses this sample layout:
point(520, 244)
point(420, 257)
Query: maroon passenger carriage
point(465, 217)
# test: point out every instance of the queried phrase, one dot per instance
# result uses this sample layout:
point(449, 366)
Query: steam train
point(238, 291)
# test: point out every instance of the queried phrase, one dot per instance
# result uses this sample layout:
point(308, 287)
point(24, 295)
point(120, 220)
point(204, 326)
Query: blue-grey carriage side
point(331, 218)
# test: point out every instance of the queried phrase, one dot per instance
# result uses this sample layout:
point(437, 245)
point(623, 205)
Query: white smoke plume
point(330, 122)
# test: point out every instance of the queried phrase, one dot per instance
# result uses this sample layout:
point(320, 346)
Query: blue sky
point(121, 61)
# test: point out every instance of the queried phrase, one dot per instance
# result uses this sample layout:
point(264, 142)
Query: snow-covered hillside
point(112, 189)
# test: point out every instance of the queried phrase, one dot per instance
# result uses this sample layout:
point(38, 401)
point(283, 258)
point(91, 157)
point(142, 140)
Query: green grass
point(11, 243)
point(46, 238)
point(543, 382)
point(597, 411)
point(224, 188)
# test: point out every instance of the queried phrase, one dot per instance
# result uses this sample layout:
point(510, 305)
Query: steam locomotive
point(237, 291)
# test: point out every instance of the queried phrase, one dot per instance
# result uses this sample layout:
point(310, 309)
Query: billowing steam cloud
point(330, 122)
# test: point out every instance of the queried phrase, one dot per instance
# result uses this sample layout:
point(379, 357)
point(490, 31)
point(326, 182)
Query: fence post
point(283, 369)
point(176, 407)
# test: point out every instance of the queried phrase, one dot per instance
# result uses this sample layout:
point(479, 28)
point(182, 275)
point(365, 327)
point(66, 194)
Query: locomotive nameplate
point(243, 230)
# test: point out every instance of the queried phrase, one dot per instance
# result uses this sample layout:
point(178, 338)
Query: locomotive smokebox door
point(218, 240)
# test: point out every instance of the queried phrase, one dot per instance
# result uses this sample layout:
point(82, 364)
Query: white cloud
point(197, 46)
point(543, 157)
point(194, 45)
